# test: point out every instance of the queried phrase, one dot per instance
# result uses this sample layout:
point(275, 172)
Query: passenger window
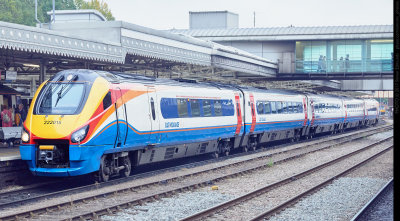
point(273, 107)
point(284, 107)
point(300, 108)
point(267, 107)
point(153, 111)
point(217, 108)
point(195, 107)
point(279, 106)
point(295, 108)
point(260, 107)
point(228, 108)
point(182, 108)
point(207, 108)
point(289, 107)
point(107, 101)
point(169, 108)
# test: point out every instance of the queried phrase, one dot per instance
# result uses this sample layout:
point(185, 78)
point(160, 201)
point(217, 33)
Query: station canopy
point(121, 46)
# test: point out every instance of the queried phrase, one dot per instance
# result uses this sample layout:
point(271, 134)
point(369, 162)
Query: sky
point(169, 14)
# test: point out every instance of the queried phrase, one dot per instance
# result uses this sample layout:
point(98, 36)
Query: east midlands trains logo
point(171, 124)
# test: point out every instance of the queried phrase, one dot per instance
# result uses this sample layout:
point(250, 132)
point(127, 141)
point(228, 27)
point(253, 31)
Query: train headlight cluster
point(25, 136)
point(80, 134)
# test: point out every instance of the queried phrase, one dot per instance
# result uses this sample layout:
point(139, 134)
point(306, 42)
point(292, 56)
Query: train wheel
point(215, 154)
point(253, 146)
point(128, 168)
point(104, 172)
point(245, 149)
point(226, 148)
point(226, 153)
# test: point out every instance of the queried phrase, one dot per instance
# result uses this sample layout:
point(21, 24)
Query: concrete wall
point(217, 19)
point(271, 50)
point(362, 85)
point(77, 17)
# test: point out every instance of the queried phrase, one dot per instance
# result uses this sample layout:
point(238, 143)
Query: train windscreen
point(60, 98)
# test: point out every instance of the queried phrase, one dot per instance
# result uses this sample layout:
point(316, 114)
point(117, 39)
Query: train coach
point(328, 114)
point(105, 124)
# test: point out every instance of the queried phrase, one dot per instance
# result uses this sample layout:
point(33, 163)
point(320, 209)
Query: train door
point(312, 112)
point(239, 114)
point(253, 113)
point(155, 136)
point(122, 126)
point(305, 111)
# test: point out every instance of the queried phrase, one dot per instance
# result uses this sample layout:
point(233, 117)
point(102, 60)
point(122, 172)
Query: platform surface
point(9, 153)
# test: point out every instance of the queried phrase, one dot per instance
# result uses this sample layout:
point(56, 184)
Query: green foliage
point(270, 163)
point(18, 11)
point(100, 6)
point(23, 11)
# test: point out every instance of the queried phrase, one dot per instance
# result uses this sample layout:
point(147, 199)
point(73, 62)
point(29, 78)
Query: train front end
point(61, 117)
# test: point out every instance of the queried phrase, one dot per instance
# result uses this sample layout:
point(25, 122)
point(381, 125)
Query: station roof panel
point(80, 41)
point(333, 32)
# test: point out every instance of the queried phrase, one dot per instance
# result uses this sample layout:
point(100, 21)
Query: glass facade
point(341, 56)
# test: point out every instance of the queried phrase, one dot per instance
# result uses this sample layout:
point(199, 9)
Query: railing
point(344, 66)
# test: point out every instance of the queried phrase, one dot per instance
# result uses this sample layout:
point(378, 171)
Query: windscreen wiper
point(60, 93)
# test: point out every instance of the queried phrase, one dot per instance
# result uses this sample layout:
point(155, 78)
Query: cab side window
point(107, 101)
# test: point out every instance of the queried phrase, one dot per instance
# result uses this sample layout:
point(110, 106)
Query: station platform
point(9, 153)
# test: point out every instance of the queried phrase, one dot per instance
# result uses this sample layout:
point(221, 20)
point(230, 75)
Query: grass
point(270, 163)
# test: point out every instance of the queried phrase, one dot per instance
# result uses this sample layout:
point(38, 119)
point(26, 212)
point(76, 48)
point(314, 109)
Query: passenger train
point(106, 123)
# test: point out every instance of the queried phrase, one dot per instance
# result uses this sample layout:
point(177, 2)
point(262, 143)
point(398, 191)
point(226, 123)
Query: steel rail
point(374, 199)
point(118, 207)
point(311, 190)
point(318, 140)
point(262, 190)
point(42, 210)
point(358, 134)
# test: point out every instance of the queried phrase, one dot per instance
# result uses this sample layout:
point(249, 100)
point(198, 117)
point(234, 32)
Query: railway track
point(368, 207)
point(261, 194)
point(47, 190)
point(143, 191)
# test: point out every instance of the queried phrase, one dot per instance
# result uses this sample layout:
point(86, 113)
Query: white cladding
point(86, 15)
point(213, 20)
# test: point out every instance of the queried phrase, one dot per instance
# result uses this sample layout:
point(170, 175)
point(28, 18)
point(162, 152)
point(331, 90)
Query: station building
point(369, 48)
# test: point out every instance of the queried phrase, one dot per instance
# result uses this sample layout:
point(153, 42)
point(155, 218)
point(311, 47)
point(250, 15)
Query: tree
point(23, 11)
point(45, 6)
point(100, 6)
point(18, 11)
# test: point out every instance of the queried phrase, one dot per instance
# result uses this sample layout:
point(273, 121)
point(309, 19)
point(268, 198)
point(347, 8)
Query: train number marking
point(52, 122)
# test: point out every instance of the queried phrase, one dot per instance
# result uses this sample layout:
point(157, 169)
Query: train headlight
point(80, 134)
point(25, 136)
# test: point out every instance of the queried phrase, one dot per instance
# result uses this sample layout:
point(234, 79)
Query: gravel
point(174, 208)
point(382, 209)
point(185, 204)
point(337, 201)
